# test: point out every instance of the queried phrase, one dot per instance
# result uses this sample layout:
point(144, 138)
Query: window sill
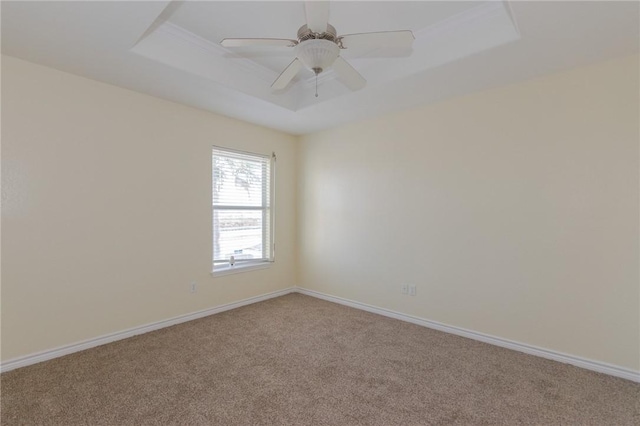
point(218, 272)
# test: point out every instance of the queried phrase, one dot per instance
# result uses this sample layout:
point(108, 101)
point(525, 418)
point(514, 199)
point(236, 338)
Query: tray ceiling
point(189, 40)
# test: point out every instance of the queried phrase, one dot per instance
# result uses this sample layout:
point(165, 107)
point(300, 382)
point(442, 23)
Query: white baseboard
point(119, 335)
point(600, 367)
point(588, 364)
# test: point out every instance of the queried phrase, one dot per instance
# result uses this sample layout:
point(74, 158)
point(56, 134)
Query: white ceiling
point(171, 50)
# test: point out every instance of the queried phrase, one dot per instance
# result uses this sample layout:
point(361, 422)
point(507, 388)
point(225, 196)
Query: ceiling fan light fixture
point(318, 46)
point(317, 54)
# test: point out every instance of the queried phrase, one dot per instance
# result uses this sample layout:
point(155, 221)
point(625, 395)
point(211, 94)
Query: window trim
point(236, 269)
point(221, 269)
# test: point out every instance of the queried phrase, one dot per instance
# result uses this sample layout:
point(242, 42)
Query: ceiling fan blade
point(287, 75)
point(317, 13)
point(262, 42)
point(348, 75)
point(396, 39)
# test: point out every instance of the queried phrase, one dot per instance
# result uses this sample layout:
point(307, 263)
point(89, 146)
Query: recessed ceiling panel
point(189, 40)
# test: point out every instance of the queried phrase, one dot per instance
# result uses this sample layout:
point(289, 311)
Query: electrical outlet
point(412, 290)
point(194, 287)
point(405, 288)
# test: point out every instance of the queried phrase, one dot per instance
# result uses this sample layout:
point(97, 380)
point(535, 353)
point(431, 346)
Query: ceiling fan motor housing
point(304, 33)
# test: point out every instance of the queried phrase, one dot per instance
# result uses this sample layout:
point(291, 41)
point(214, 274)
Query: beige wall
point(106, 200)
point(514, 212)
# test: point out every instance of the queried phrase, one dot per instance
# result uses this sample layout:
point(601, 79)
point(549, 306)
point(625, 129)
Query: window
point(242, 209)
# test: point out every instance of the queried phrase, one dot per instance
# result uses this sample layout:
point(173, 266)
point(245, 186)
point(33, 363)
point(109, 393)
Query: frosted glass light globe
point(317, 54)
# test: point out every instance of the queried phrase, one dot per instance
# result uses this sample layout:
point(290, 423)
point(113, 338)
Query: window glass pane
point(238, 233)
point(238, 181)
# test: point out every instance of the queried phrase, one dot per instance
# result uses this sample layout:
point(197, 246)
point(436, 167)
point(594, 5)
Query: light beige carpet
point(296, 360)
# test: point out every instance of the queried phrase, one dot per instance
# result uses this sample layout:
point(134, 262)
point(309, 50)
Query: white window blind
point(242, 208)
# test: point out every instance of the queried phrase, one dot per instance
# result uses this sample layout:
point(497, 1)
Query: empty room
point(320, 213)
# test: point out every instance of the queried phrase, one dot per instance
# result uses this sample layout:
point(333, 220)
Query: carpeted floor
point(297, 360)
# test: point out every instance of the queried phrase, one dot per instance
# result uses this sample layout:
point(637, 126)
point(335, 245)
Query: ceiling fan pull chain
point(316, 85)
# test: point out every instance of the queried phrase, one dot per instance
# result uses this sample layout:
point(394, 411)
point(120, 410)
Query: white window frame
point(219, 268)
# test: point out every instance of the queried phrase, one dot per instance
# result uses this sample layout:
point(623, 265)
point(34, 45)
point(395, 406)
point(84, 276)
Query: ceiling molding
point(166, 13)
point(263, 73)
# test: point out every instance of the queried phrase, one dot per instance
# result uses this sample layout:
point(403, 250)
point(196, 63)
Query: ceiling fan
point(318, 47)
